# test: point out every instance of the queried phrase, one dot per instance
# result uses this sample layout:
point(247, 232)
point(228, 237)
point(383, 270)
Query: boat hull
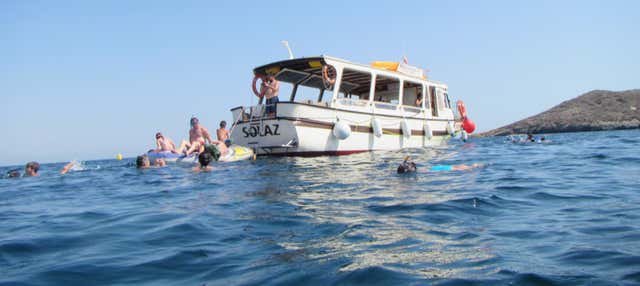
point(307, 130)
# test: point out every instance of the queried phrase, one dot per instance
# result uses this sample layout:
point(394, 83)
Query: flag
point(404, 60)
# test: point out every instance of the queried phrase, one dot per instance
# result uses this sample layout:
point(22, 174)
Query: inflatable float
point(235, 153)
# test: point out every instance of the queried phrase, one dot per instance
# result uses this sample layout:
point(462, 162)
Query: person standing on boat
point(198, 136)
point(271, 88)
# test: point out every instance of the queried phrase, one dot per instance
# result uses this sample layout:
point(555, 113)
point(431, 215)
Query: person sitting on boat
point(198, 136)
point(222, 132)
point(272, 87)
point(164, 144)
point(419, 100)
point(204, 159)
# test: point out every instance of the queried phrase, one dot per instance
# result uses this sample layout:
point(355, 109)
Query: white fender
point(341, 130)
point(450, 128)
point(375, 125)
point(428, 133)
point(406, 131)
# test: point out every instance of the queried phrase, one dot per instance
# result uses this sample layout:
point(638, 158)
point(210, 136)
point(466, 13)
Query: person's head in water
point(406, 166)
point(13, 174)
point(194, 122)
point(223, 124)
point(142, 162)
point(530, 136)
point(205, 159)
point(31, 169)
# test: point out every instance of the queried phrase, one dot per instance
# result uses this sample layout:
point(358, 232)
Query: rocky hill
point(592, 111)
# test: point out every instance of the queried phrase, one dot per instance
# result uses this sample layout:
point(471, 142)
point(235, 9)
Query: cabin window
point(432, 101)
point(411, 91)
point(387, 92)
point(441, 98)
point(447, 102)
point(355, 85)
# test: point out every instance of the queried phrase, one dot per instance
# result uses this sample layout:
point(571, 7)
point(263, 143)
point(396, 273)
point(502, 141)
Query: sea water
point(565, 212)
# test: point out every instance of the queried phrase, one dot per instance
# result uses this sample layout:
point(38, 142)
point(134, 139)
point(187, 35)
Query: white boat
point(353, 108)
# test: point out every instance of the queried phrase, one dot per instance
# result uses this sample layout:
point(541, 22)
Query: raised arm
point(207, 135)
point(67, 167)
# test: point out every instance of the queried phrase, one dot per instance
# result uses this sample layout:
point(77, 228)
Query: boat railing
point(251, 113)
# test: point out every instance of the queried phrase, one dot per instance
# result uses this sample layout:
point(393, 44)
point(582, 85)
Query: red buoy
point(468, 125)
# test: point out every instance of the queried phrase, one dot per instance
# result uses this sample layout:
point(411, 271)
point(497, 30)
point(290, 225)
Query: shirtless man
point(272, 87)
point(198, 136)
point(164, 144)
point(222, 132)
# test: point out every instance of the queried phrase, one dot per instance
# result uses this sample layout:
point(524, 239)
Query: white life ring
point(375, 125)
point(406, 131)
point(341, 130)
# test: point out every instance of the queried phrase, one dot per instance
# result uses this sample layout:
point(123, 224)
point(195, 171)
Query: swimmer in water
point(204, 159)
point(142, 162)
point(13, 174)
point(159, 162)
point(407, 166)
point(31, 169)
point(461, 167)
point(410, 167)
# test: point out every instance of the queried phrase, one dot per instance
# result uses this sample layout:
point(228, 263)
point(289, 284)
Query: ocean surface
point(561, 213)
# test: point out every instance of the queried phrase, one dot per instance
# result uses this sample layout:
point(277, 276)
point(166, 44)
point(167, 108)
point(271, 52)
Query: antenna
point(286, 45)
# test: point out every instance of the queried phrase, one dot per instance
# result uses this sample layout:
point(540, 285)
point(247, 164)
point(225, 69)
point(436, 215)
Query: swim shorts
point(271, 104)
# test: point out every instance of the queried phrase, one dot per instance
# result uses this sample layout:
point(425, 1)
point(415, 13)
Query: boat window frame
point(416, 84)
point(384, 104)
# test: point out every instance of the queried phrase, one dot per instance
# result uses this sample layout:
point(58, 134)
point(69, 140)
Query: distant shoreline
point(597, 110)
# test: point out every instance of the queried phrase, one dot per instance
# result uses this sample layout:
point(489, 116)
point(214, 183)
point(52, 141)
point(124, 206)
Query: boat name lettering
point(253, 131)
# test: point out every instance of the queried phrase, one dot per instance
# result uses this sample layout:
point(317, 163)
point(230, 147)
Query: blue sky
point(90, 79)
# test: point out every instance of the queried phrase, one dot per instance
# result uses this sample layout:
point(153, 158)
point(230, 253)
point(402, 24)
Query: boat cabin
point(380, 88)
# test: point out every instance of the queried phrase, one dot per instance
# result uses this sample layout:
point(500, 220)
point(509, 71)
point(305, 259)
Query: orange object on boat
point(392, 66)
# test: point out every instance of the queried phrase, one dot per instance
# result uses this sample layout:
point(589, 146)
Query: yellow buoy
point(119, 157)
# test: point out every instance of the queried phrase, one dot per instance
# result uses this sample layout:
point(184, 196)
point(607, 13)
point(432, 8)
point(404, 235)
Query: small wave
point(548, 196)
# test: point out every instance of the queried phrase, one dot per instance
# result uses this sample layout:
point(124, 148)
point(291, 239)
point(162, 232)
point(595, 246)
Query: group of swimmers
point(200, 142)
point(529, 139)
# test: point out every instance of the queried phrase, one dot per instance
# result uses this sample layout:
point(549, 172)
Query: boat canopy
point(302, 71)
point(308, 72)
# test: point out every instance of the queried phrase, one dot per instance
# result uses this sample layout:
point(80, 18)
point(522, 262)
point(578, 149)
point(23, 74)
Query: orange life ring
point(462, 109)
point(260, 93)
point(328, 80)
